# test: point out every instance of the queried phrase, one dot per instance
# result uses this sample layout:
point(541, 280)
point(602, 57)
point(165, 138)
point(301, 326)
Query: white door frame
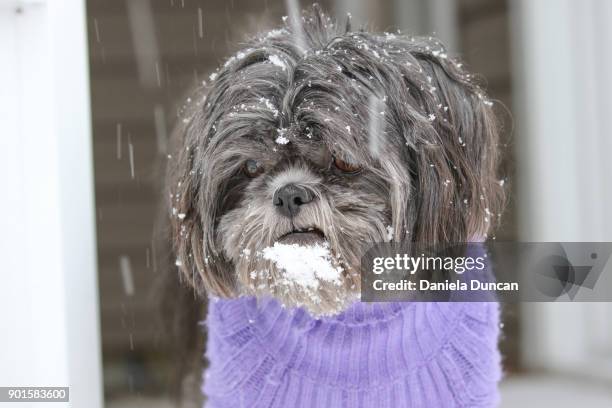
point(48, 293)
point(561, 56)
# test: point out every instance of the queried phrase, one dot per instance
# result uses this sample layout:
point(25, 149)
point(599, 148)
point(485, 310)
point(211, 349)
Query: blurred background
point(545, 64)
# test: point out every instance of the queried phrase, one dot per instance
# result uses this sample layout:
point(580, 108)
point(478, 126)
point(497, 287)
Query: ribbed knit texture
point(372, 355)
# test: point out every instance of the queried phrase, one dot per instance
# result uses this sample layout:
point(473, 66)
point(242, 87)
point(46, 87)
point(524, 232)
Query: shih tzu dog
point(307, 147)
point(332, 139)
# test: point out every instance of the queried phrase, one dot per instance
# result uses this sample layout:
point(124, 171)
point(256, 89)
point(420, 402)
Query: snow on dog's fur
point(370, 136)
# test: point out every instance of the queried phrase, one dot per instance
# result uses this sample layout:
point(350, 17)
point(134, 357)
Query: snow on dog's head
point(303, 152)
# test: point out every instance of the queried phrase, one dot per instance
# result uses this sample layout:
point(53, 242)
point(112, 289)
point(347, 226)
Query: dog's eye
point(345, 166)
point(252, 168)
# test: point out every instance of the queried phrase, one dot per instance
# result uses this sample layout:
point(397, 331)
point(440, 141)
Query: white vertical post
point(48, 292)
point(561, 88)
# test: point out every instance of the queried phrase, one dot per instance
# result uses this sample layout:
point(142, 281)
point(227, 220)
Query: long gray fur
point(429, 177)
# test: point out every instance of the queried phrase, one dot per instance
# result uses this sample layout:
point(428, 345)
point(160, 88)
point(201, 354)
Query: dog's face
point(309, 183)
point(360, 139)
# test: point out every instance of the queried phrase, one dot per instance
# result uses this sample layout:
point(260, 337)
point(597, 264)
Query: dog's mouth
point(306, 236)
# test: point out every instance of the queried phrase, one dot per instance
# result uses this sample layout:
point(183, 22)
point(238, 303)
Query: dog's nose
point(289, 198)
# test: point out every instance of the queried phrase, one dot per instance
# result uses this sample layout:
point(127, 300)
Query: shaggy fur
point(401, 109)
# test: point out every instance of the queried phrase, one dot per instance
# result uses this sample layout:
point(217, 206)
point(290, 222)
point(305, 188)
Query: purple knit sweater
point(372, 355)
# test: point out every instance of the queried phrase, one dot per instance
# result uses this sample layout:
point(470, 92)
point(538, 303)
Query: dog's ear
point(449, 190)
point(192, 213)
point(458, 186)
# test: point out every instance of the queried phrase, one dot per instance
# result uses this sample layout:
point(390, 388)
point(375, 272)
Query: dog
point(333, 138)
point(308, 146)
